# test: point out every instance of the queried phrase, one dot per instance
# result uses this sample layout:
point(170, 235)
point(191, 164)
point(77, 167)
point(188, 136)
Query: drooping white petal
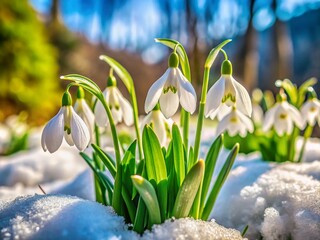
point(270, 117)
point(187, 94)
point(155, 91)
point(234, 128)
point(243, 101)
point(308, 117)
point(125, 108)
point(223, 124)
point(220, 112)
point(257, 113)
point(146, 120)
point(214, 96)
point(295, 116)
point(52, 134)
point(159, 126)
point(280, 127)
point(84, 111)
point(169, 103)
point(281, 119)
point(79, 131)
point(289, 126)
point(101, 114)
point(117, 115)
point(248, 125)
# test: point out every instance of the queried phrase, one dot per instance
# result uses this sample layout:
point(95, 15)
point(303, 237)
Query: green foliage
point(160, 182)
point(28, 69)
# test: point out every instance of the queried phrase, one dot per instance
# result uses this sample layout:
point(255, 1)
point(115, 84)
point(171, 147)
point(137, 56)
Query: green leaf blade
point(105, 159)
point(184, 61)
point(214, 53)
point(178, 154)
point(149, 196)
point(211, 160)
point(219, 182)
point(188, 190)
point(155, 163)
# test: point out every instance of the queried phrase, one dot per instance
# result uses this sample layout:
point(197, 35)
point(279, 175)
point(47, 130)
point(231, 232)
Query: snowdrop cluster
point(274, 133)
point(230, 102)
point(159, 168)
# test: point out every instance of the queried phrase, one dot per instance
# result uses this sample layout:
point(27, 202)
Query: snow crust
point(283, 202)
point(65, 217)
point(277, 201)
point(187, 228)
point(61, 172)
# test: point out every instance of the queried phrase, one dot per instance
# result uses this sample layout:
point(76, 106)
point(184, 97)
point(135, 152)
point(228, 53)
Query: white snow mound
point(187, 228)
point(282, 203)
point(60, 217)
point(65, 217)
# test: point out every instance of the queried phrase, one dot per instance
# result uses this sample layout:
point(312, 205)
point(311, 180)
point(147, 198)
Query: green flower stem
point(201, 113)
point(113, 131)
point(185, 124)
point(306, 135)
point(116, 200)
point(292, 144)
point(136, 120)
point(97, 134)
point(128, 82)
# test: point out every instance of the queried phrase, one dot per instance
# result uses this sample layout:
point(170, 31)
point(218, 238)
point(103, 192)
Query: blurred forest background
point(43, 39)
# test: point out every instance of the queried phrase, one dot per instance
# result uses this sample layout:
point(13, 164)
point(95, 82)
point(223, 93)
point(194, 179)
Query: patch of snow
point(280, 201)
point(187, 228)
point(37, 167)
point(81, 186)
point(65, 217)
point(60, 217)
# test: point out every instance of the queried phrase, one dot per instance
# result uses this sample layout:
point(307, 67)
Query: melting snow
point(64, 217)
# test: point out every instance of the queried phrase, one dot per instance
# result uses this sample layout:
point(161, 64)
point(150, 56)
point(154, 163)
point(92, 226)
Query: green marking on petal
point(67, 129)
point(170, 88)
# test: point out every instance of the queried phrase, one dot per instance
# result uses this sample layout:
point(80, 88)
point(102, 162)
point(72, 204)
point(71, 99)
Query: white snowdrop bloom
point(235, 122)
point(84, 111)
point(227, 91)
point(282, 116)
point(257, 114)
point(220, 112)
point(310, 111)
point(66, 124)
point(120, 107)
point(160, 125)
point(170, 89)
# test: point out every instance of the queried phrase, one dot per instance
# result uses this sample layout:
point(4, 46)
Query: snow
point(66, 217)
point(281, 202)
point(277, 201)
point(60, 217)
point(187, 228)
point(61, 172)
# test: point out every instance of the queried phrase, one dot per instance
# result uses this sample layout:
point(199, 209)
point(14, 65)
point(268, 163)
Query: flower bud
point(173, 61)
point(66, 99)
point(226, 68)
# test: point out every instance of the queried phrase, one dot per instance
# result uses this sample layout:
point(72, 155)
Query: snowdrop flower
point(220, 112)
point(84, 111)
point(160, 125)
point(310, 111)
point(235, 122)
point(170, 89)
point(257, 112)
point(282, 116)
point(227, 91)
point(65, 124)
point(119, 106)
